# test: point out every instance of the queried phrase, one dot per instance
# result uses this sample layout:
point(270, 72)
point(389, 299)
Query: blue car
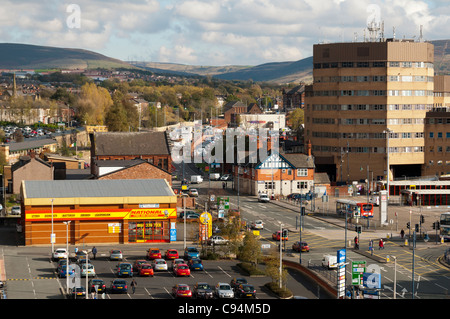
point(62, 271)
point(118, 286)
point(191, 252)
point(195, 264)
point(125, 270)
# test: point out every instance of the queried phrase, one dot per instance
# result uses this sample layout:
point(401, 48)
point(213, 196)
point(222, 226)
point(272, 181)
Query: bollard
point(406, 242)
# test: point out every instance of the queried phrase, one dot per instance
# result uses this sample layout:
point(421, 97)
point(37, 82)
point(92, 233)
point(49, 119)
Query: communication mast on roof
point(376, 30)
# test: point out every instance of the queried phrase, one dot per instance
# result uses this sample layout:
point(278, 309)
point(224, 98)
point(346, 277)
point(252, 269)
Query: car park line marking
point(224, 271)
point(148, 292)
point(168, 293)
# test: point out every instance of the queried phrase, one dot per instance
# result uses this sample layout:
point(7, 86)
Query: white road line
point(148, 292)
point(224, 271)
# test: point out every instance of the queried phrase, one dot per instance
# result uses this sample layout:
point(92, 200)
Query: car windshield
point(192, 250)
point(247, 288)
point(120, 282)
point(160, 262)
point(155, 251)
point(204, 286)
point(125, 266)
point(97, 282)
point(183, 288)
point(60, 251)
point(115, 252)
point(146, 266)
point(224, 287)
point(182, 267)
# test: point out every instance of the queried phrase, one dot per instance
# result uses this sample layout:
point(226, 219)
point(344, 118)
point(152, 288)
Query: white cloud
point(212, 31)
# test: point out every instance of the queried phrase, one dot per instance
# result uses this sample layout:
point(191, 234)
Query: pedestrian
point(402, 233)
point(356, 242)
point(133, 285)
point(94, 251)
point(76, 250)
point(381, 244)
point(371, 246)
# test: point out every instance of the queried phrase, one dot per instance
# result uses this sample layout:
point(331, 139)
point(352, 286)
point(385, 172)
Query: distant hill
point(26, 56)
point(441, 56)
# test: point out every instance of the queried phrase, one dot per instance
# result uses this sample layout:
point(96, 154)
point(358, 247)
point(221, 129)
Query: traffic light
point(284, 233)
point(417, 228)
point(408, 225)
point(436, 225)
point(358, 229)
point(422, 219)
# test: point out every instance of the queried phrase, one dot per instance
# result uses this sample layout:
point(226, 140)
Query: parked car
point(81, 256)
point(226, 177)
point(235, 282)
point(195, 264)
point(177, 261)
point(193, 192)
point(124, 270)
point(303, 246)
point(182, 270)
point(97, 285)
point(118, 286)
point(202, 290)
point(15, 210)
point(217, 240)
point(223, 290)
point(62, 272)
point(145, 270)
point(159, 264)
point(60, 253)
point(137, 263)
point(115, 254)
point(181, 291)
point(245, 291)
point(257, 224)
point(191, 252)
point(263, 198)
point(77, 293)
point(154, 253)
point(61, 262)
point(88, 270)
point(190, 214)
point(171, 254)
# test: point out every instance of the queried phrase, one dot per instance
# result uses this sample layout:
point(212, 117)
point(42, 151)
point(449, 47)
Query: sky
point(211, 32)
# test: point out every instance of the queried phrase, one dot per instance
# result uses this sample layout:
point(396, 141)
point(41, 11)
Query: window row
point(439, 149)
point(380, 135)
point(373, 64)
point(366, 121)
point(367, 149)
point(370, 107)
point(439, 135)
point(373, 78)
point(325, 93)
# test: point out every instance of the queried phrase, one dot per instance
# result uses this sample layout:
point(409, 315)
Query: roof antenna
point(421, 33)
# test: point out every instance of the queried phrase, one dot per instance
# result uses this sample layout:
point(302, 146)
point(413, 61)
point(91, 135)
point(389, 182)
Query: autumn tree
point(93, 103)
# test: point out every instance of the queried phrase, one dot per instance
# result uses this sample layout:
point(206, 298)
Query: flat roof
point(117, 191)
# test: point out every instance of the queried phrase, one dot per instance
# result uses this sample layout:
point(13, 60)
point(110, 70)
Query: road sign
point(358, 269)
point(173, 234)
point(341, 254)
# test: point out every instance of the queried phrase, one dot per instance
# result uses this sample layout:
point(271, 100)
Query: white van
point(329, 261)
point(214, 176)
point(196, 179)
point(263, 197)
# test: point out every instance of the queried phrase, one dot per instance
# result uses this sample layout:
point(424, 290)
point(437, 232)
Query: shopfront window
point(148, 231)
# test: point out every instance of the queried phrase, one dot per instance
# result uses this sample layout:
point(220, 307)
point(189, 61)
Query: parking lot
point(31, 274)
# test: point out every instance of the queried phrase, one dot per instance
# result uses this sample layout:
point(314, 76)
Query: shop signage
point(138, 213)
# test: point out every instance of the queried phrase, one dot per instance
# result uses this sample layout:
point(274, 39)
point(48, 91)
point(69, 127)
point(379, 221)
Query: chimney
point(308, 148)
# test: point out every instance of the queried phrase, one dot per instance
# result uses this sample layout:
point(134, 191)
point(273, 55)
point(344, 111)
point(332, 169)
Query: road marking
point(224, 271)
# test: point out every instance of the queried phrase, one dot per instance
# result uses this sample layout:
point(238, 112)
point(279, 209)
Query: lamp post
point(388, 131)
point(281, 238)
point(67, 258)
point(52, 235)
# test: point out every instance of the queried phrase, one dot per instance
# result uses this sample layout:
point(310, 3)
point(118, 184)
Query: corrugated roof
point(97, 188)
point(31, 144)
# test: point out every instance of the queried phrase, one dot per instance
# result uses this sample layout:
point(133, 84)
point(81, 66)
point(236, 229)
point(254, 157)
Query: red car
point(172, 254)
point(145, 270)
point(182, 270)
point(181, 290)
point(300, 245)
point(138, 263)
point(276, 236)
point(153, 253)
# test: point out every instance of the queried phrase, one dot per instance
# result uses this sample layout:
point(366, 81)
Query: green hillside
point(25, 56)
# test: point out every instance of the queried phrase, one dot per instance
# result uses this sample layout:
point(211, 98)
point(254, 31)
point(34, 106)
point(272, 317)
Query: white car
point(217, 240)
point(223, 290)
point(15, 210)
point(59, 253)
point(159, 264)
point(263, 198)
point(258, 224)
point(193, 192)
point(90, 270)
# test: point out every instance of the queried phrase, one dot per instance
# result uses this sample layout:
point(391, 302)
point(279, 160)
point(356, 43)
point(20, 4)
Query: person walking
point(402, 233)
point(133, 285)
point(356, 242)
point(94, 251)
point(381, 244)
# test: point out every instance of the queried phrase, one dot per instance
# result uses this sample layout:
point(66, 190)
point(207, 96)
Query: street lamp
point(52, 235)
point(67, 258)
point(388, 131)
point(281, 238)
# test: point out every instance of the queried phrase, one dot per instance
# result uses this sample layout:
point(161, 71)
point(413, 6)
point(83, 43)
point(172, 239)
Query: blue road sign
point(173, 234)
point(341, 256)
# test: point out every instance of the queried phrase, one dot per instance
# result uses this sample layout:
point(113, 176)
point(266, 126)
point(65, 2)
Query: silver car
point(90, 270)
point(223, 290)
point(115, 254)
point(15, 210)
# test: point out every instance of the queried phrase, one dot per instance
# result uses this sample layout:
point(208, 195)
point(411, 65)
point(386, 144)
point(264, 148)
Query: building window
point(302, 172)
point(302, 185)
point(269, 185)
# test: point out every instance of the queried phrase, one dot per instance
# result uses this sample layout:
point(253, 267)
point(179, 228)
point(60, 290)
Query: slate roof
point(131, 143)
point(96, 188)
